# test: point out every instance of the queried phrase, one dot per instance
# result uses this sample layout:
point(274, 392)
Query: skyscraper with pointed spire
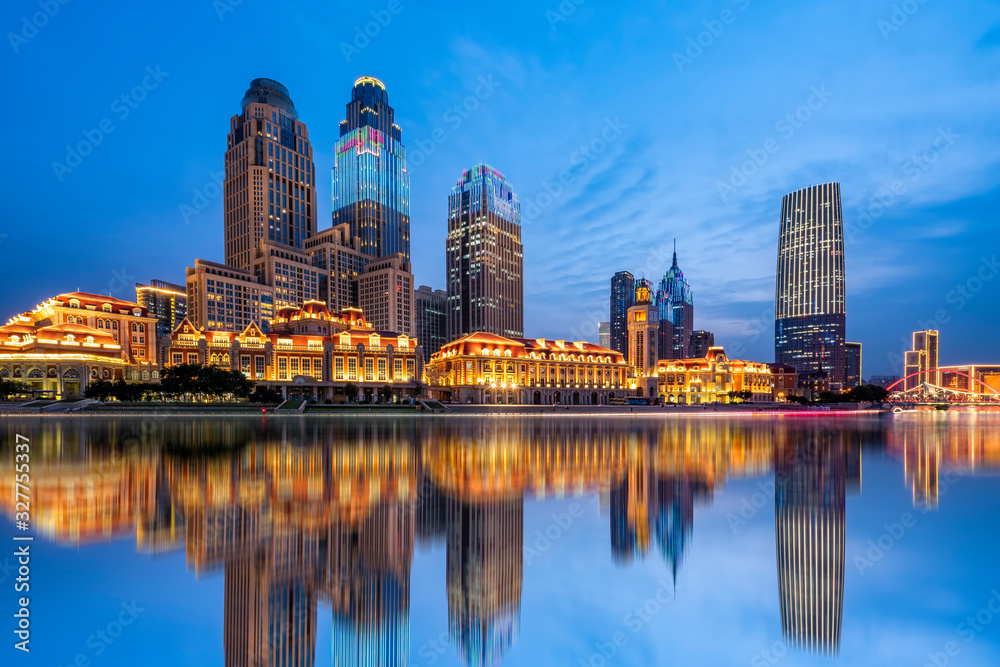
point(676, 304)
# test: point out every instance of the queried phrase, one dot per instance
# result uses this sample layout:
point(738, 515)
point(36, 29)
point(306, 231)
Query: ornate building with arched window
point(75, 338)
point(487, 368)
point(711, 378)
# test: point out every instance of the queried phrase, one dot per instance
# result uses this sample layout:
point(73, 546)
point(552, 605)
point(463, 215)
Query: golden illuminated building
point(643, 332)
point(488, 368)
point(77, 338)
point(711, 378)
point(308, 352)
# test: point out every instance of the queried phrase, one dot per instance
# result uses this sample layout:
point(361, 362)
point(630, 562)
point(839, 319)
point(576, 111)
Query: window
point(397, 370)
point(381, 369)
point(192, 357)
point(317, 368)
point(306, 365)
point(410, 369)
point(282, 368)
point(295, 365)
point(245, 364)
point(352, 368)
point(176, 359)
point(338, 365)
point(259, 367)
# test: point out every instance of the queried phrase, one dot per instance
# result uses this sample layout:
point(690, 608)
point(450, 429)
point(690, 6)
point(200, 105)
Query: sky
point(620, 126)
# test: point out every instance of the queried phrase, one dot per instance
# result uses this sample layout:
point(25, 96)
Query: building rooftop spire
point(674, 265)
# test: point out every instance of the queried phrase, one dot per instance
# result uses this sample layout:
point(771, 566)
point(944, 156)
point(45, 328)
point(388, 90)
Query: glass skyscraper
point(371, 187)
point(676, 304)
point(809, 325)
point(622, 298)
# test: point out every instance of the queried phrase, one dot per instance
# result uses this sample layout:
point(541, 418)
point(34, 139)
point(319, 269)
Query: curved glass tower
point(371, 187)
point(809, 305)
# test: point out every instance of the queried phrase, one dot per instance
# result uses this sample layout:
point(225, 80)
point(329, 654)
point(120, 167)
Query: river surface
point(532, 540)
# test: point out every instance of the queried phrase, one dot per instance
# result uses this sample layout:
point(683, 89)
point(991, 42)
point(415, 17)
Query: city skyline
point(459, 100)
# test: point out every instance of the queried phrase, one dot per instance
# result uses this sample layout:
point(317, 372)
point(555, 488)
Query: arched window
point(70, 338)
point(510, 366)
point(142, 328)
point(114, 325)
point(134, 328)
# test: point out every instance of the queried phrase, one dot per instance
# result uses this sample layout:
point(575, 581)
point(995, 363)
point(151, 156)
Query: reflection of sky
point(574, 599)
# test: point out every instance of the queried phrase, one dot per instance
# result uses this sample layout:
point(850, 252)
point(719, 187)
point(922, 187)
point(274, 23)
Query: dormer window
point(74, 303)
point(70, 338)
point(15, 339)
point(106, 307)
point(137, 312)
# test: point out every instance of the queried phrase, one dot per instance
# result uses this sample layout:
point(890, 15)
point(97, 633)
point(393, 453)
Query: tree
point(351, 390)
point(739, 396)
point(801, 400)
point(385, 393)
point(10, 388)
point(416, 390)
point(868, 393)
point(101, 390)
point(265, 395)
point(200, 380)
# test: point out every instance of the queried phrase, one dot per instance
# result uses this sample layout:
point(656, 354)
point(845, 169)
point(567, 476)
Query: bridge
point(920, 389)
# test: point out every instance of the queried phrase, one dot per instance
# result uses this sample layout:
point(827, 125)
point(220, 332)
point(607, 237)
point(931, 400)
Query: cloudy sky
point(620, 125)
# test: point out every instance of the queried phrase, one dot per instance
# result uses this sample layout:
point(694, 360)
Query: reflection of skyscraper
point(810, 523)
point(673, 520)
point(809, 324)
point(629, 517)
point(485, 561)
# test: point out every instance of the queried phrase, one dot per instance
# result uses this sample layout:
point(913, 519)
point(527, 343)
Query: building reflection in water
point(299, 513)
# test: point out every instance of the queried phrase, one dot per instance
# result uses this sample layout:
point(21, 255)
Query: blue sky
point(649, 106)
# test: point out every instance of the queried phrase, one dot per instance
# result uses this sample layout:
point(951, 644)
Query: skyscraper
point(700, 342)
point(431, 314)
point(676, 304)
point(923, 357)
point(622, 298)
point(270, 179)
point(643, 327)
point(604, 334)
point(852, 365)
point(809, 325)
point(371, 187)
point(485, 258)
point(164, 300)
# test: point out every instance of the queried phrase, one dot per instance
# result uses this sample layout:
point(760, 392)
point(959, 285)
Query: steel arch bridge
point(936, 393)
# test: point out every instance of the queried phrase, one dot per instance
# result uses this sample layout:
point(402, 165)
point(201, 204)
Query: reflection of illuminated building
point(673, 523)
point(810, 524)
point(485, 560)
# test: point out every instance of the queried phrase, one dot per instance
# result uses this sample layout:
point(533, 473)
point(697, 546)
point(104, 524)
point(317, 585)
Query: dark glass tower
point(676, 304)
point(371, 187)
point(622, 298)
point(809, 325)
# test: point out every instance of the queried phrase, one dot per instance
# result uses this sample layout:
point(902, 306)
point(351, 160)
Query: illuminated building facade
point(308, 352)
point(643, 337)
point(485, 258)
point(163, 300)
point(338, 256)
point(786, 382)
point(225, 298)
point(289, 272)
point(711, 378)
point(852, 365)
point(371, 187)
point(676, 304)
point(810, 311)
point(270, 178)
point(431, 316)
point(487, 368)
point(77, 338)
point(385, 294)
point(923, 357)
point(700, 342)
point(604, 334)
point(981, 378)
point(622, 298)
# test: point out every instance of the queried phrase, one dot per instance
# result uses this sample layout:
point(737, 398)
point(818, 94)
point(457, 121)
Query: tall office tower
point(701, 340)
point(622, 298)
point(385, 294)
point(643, 331)
point(431, 315)
point(852, 365)
point(676, 303)
point(289, 271)
point(810, 526)
point(226, 298)
point(604, 334)
point(809, 324)
point(338, 256)
point(270, 179)
point(485, 563)
point(925, 344)
point(485, 258)
point(164, 300)
point(371, 187)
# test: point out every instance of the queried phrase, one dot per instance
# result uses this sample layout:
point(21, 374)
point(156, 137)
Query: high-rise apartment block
point(430, 309)
point(270, 179)
point(338, 256)
point(700, 342)
point(810, 311)
point(922, 360)
point(485, 258)
point(622, 298)
point(226, 298)
point(852, 365)
point(385, 294)
point(604, 334)
point(165, 301)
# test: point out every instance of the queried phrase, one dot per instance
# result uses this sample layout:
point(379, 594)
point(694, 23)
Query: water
point(516, 541)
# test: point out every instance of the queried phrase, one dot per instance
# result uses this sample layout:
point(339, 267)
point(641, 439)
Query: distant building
point(226, 298)
point(921, 362)
point(622, 298)
point(700, 342)
point(163, 300)
point(340, 260)
point(883, 380)
point(604, 334)
point(485, 257)
point(385, 294)
point(980, 378)
point(785, 381)
point(809, 325)
point(676, 303)
point(431, 315)
point(643, 337)
point(852, 365)
point(289, 272)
